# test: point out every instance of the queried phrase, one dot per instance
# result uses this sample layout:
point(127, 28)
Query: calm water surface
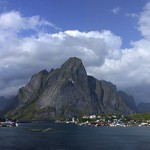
point(73, 137)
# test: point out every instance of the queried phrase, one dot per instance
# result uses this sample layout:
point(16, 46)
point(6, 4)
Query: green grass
point(144, 116)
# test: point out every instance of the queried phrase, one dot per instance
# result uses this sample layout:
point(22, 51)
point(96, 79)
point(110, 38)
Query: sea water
point(74, 137)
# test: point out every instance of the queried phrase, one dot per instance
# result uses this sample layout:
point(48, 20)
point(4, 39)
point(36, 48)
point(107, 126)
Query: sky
point(112, 38)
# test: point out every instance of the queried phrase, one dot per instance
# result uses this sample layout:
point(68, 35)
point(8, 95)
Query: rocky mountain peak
point(66, 92)
point(74, 70)
point(44, 72)
point(71, 63)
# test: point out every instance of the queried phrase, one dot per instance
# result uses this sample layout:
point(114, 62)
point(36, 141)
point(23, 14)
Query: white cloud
point(132, 69)
point(100, 51)
point(133, 15)
point(24, 56)
point(116, 10)
point(14, 21)
point(144, 21)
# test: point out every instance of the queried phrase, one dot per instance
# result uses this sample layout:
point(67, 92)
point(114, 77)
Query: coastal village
point(109, 120)
point(8, 123)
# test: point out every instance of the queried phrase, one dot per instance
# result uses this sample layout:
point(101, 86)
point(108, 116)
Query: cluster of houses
point(108, 120)
point(8, 123)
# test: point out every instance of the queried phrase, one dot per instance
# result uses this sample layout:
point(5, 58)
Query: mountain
point(66, 92)
point(6, 104)
point(143, 108)
point(2, 102)
point(129, 100)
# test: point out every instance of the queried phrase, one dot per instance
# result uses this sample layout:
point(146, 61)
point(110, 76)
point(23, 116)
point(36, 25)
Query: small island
point(42, 130)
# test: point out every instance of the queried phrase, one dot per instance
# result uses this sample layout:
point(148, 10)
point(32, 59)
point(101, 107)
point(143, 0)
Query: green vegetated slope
point(144, 116)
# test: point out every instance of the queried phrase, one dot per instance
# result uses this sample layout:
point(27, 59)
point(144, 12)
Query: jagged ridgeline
point(68, 91)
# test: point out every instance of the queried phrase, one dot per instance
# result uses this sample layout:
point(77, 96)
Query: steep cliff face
point(129, 100)
point(107, 97)
point(33, 89)
point(66, 92)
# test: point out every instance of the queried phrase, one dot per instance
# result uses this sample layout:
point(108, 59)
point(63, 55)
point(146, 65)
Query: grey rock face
point(109, 100)
point(66, 92)
point(33, 89)
point(129, 100)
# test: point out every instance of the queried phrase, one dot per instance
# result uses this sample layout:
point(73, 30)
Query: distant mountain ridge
point(6, 104)
point(66, 92)
point(143, 108)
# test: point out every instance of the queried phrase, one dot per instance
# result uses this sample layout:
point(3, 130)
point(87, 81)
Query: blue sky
point(112, 38)
point(85, 15)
